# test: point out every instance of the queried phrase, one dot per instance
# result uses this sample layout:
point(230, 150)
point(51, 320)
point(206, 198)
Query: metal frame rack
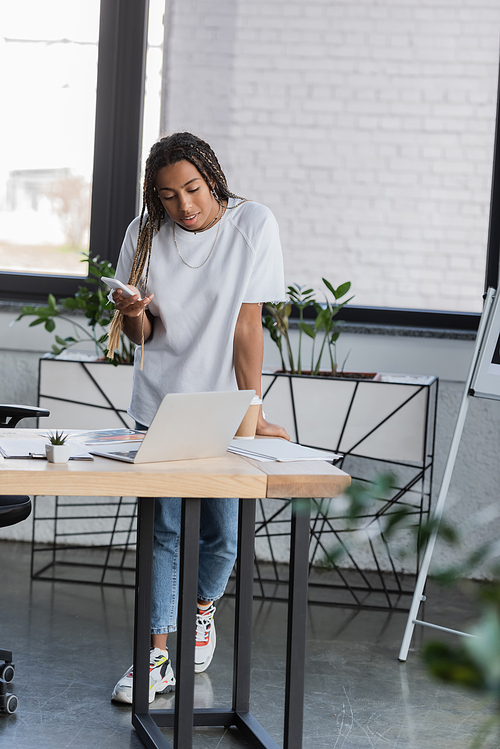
point(101, 564)
point(112, 521)
point(385, 587)
point(101, 400)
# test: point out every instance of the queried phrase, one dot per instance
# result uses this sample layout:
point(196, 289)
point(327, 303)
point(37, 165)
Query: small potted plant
point(57, 449)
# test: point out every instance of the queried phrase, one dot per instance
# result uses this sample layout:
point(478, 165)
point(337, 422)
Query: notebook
point(278, 450)
point(186, 426)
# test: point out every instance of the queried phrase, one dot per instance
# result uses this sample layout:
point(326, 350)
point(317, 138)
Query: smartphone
point(114, 284)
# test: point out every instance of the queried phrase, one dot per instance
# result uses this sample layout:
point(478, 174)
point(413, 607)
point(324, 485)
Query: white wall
point(367, 127)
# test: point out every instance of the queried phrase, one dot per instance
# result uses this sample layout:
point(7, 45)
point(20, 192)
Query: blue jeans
point(218, 545)
point(218, 542)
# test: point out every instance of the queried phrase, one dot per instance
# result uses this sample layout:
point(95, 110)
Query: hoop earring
point(217, 199)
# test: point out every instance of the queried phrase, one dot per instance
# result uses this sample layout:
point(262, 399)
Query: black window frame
point(118, 137)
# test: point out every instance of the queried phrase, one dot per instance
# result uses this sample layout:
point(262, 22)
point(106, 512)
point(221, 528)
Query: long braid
point(165, 152)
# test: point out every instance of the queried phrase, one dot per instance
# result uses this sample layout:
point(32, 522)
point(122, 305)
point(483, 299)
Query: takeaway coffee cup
point(246, 430)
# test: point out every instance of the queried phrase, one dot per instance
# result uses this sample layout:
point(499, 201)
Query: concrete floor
point(72, 642)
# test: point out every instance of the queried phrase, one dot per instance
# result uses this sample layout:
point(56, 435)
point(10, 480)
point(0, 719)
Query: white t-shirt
point(195, 309)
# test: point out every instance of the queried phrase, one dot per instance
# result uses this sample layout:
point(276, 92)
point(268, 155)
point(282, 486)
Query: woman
point(204, 260)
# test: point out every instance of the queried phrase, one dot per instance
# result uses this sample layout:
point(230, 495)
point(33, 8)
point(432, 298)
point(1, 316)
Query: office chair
point(13, 509)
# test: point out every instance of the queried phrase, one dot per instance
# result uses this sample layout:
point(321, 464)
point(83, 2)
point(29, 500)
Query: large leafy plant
point(92, 301)
point(473, 662)
point(324, 329)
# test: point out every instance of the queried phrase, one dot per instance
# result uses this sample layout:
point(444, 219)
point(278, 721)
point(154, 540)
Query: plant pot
point(85, 394)
point(58, 453)
point(379, 416)
point(336, 376)
point(377, 423)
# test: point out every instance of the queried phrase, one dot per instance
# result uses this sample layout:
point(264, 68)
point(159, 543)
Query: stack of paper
point(277, 450)
point(35, 448)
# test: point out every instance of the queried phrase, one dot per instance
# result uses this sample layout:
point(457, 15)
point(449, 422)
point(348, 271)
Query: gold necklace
point(195, 267)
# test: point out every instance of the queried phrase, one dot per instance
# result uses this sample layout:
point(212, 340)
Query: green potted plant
point(472, 663)
point(324, 327)
point(328, 407)
point(57, 449)
point(93, 302)
point(79, 388)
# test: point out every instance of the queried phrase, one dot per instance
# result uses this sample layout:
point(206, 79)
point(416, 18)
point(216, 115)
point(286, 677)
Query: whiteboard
point(486, 378)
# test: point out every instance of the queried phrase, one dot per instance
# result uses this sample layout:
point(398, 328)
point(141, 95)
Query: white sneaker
point(205, 639)
point(161, 678)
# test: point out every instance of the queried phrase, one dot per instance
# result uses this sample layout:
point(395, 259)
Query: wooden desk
point(230, 476)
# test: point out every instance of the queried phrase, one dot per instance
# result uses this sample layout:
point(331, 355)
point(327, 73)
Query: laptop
point(185, 427)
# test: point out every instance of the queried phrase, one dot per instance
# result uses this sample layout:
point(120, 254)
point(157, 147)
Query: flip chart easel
point(483, 381)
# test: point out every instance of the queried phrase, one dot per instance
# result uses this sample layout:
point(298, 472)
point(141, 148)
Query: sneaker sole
point(121, 697)
point(169, 688)
point(125, 697)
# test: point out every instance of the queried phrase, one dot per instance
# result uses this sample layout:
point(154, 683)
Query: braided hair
point(166, 152)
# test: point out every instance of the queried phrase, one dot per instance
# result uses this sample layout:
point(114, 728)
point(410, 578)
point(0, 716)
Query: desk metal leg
point(141, 720)
point(297, 620)
point(186, 618)
point(242, 718)
point(243, 606)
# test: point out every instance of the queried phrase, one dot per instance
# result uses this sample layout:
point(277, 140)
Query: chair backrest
point(10, 415)
point(13, 509)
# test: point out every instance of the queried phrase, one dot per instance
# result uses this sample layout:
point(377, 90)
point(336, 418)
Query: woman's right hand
point(131, 306)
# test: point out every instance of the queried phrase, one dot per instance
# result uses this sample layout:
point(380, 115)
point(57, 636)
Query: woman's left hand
point(266, 429)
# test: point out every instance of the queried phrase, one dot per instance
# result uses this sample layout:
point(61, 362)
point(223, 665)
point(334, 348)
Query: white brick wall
point(366, 125)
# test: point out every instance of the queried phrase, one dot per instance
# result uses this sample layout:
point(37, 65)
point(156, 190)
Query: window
point(40, 174)
point(368, 128)
point(49, 64)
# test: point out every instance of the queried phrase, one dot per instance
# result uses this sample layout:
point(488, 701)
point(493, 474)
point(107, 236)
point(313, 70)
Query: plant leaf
point(341, 290)
point(45, 312)
point(329, 287)
point(27, 310)
point(70, 303)
point(324, 320)
point(305, 328)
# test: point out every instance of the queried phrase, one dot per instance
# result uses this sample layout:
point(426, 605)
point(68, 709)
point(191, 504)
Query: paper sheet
point(27, 448)
point(278, 450)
